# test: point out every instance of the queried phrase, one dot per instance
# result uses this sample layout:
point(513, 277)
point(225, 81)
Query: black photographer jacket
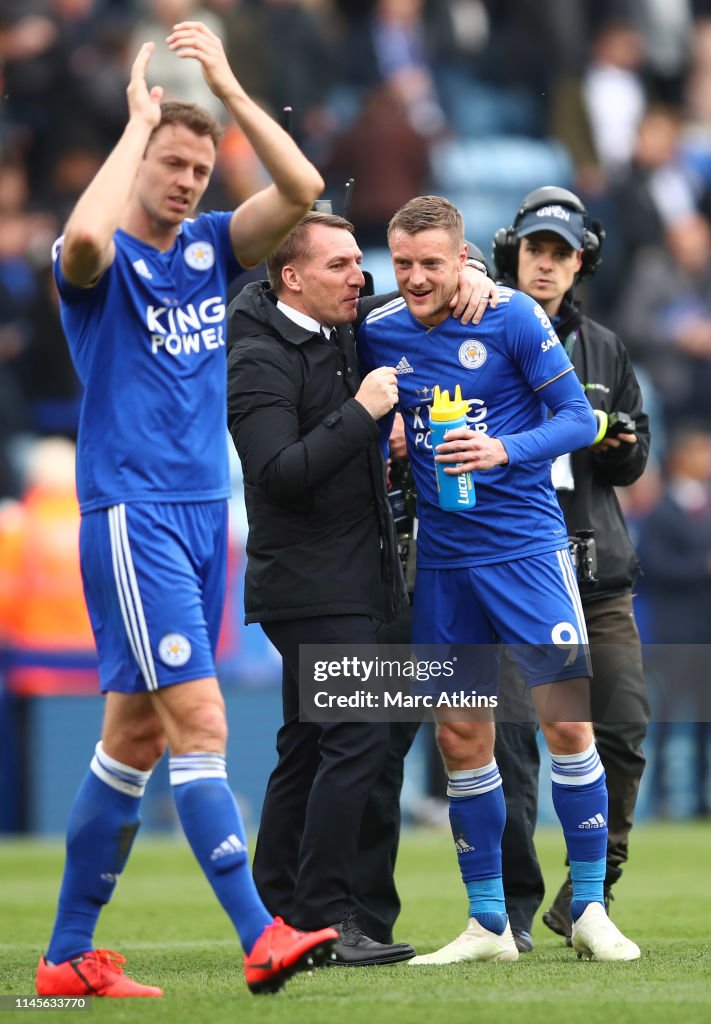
point(604, 368)
point(321, 535)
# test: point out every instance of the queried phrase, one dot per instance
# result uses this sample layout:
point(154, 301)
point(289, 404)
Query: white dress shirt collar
point(302, 319)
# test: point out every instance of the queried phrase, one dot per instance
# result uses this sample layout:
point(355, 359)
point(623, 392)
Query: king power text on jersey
point(187, 329)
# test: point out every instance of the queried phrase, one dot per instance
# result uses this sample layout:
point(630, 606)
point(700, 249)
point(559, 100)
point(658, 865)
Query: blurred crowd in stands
point(478, 100)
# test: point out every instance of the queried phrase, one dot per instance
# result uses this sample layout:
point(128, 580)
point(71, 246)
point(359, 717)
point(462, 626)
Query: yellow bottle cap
point(444, 409)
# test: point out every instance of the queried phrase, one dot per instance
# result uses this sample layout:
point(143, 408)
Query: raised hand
point(143, 103)
point(378, 391)
point(192, 39)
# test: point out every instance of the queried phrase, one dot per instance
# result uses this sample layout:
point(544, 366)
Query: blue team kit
point(154, 578)
point(501, 569)
point(154, 566)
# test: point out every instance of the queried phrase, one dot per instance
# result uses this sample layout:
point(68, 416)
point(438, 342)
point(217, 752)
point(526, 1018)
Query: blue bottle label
point(455, 492)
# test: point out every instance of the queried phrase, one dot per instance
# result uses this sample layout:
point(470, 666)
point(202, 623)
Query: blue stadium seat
point(476, 108)
point(488, 177)
point(497, 162)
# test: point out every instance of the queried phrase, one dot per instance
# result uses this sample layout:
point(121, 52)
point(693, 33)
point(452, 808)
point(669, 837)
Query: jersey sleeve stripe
point(557, 377)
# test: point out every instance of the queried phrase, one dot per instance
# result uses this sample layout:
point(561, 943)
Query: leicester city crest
point(174, 650)
point(472, 354)
point(200, 255)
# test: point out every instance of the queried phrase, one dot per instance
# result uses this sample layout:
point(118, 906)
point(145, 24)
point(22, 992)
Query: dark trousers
point(376, 898)
point(617, 689)
point(306, 859)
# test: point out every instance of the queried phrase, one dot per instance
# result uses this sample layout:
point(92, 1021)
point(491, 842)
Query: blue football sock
point(588, 879)
point(477, 815)
point(212, 823)
point(487, 904)
point(102, 825)
point(580, 800)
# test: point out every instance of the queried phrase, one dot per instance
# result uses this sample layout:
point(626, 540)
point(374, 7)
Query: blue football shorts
point(532, 605)
point(154, 580)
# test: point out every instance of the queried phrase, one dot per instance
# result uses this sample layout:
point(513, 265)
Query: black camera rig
point(583, 552)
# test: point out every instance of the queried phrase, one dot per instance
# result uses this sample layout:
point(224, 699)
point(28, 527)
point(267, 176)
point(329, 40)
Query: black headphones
point(506, 240)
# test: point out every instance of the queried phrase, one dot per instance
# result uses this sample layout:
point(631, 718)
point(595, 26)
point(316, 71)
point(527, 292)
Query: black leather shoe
point(523, 940)
point(355, 949)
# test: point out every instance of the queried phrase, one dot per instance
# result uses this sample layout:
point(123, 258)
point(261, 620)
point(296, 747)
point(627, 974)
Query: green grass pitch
point(166, 921)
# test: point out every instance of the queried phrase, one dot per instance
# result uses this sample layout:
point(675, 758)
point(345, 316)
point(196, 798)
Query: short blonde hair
point(425, 213)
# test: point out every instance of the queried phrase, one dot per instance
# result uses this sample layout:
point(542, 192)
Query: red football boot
point(96, 973)
point(281, 951)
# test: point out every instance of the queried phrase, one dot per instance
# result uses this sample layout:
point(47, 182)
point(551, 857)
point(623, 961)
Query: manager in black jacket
point(549, 247)
point(322, 568)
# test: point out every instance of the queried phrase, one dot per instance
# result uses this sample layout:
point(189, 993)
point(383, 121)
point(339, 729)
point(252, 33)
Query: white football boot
point(595, 937)
point(476, 943)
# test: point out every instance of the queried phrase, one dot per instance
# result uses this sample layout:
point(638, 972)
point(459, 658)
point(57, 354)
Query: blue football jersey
point(500, 364)
point(148, 344)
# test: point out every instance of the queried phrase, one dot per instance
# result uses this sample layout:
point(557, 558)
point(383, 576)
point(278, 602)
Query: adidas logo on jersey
point(597, 822)
point(403, 366)
point(233, 844)
point(462, 846)
point(142, 270)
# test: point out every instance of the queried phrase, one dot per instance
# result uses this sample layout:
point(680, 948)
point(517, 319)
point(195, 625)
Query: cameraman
point(552, 245)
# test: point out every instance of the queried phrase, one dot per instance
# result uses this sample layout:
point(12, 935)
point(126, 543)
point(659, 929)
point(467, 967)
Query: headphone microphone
point(556, 202)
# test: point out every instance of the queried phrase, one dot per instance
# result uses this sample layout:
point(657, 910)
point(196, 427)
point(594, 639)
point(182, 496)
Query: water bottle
point(455, 492)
